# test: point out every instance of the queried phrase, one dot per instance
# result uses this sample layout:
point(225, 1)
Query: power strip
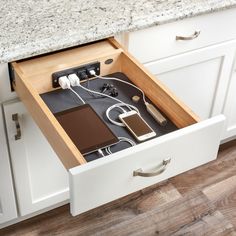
point(82, 72)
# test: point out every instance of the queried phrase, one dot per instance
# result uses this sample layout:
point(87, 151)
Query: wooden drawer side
point(57, 137)
point(165, 100)
point(160, 95)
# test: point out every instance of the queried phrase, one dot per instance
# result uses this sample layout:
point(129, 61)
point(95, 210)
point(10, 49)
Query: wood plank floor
point(199, 202)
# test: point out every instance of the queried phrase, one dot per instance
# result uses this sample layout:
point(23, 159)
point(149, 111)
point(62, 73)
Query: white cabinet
point(40, 179)
point(108, 178)
point(197, 68)
point(8, 209)
point(197, 71)
point(5, 87)
point(200, 77)
point(230, 106)
point(160, 42)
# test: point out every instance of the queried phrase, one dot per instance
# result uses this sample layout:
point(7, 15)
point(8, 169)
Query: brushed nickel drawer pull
point(15, 118)
point(195, 35)
point(160, 170)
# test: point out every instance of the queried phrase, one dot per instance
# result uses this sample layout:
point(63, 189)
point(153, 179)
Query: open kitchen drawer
point(105, 179)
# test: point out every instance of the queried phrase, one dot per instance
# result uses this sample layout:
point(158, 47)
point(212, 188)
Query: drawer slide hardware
point(15, 118)
point(160, 170)
point(191, 37)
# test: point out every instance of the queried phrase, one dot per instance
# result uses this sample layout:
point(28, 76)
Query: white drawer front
point(110, 178)
point(160, 41)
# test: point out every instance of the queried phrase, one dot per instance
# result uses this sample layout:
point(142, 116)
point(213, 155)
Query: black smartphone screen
point(86, 129)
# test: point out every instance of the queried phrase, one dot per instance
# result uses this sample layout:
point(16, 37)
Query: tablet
point(86, 129)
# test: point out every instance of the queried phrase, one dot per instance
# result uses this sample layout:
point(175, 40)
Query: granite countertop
point(29, 28)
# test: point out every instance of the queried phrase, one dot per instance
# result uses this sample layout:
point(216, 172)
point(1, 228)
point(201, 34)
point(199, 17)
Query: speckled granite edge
point(20, 43)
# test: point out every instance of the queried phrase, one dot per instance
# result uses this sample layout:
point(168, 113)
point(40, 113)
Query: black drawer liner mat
point(60, 100)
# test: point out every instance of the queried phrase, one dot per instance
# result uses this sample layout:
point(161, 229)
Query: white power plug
point(92, 73)
point(74, 80)
point(64, 82)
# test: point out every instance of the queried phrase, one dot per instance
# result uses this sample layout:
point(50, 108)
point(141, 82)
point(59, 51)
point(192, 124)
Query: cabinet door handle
point(191, 37)
point(160, 170)
point(15, 118)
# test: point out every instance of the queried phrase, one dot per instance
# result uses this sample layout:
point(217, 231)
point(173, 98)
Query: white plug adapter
point(74, 80)
point(64, 82)
point(92, 72)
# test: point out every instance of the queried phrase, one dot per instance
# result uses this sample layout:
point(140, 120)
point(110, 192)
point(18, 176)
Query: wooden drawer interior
point(32, 77)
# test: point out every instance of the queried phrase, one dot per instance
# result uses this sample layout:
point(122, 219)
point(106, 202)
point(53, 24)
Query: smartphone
point(137, 125)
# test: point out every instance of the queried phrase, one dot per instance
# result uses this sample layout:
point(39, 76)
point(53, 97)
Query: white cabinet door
point(200, 78)
point(7, 197)
point(230, 107)
point(41, 180)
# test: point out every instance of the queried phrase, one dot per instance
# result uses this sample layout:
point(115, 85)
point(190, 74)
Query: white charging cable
point(101, 152)
point(75, 81)
point(118, 105)
point(121, 139)
point(93, 73)
point(65, 83)
point(151, 109)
